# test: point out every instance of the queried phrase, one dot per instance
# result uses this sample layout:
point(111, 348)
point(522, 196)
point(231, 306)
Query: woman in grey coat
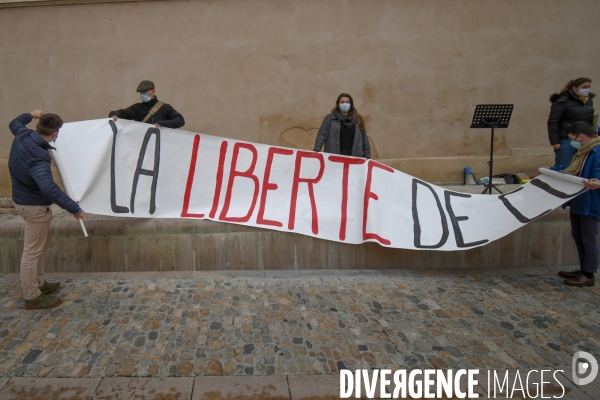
point(343, 131)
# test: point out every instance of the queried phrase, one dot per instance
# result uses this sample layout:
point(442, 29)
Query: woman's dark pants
point(564, 155)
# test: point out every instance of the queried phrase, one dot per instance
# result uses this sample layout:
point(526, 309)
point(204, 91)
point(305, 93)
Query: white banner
point(130, 169)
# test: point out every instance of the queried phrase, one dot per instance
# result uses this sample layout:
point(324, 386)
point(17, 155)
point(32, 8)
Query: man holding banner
point(150, 110)
point(585, 208)
point(33, 191)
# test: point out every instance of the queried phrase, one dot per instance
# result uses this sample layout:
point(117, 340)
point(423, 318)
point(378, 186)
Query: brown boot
point(569, 274)
point(43, 301)
point(48, 287)
point(580, 281)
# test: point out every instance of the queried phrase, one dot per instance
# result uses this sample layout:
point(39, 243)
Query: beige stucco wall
point(37, 3)
point(254, 69)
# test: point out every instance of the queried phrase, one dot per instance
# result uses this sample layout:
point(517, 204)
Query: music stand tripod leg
point(490, 185)
point(491, 116)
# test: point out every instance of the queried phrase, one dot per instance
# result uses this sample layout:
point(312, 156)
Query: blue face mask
point(345, 107)
point(145, 97)
point(575, 144)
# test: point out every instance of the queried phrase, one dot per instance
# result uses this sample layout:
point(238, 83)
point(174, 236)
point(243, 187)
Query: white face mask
point(145, 97)
point(584, 92)
point(345, 107)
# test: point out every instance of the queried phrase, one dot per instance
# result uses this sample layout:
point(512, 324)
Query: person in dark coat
point(33, 191)
point(585, 208)
point(343, 131)
point(150, 110)
point(573, 103)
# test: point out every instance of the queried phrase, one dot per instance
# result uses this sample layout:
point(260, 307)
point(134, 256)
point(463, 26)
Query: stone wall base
point(130, 244)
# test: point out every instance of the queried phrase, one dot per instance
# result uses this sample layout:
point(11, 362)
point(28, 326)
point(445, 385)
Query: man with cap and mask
point(150, 110)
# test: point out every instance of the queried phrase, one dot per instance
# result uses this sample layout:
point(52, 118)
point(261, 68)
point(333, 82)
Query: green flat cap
point(144, 86)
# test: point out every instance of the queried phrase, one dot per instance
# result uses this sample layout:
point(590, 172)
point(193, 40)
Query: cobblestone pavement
point(165, 324)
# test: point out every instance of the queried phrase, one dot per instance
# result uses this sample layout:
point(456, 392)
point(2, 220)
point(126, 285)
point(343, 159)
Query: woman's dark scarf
point(347, 120)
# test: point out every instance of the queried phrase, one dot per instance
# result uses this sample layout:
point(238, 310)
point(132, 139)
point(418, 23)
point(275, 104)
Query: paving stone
point(241, 387)
point(22, 349)
point(128, 368)
point(8, 365)
point(44, 372)
point(214, 368)
point(214, 345)
point(184, 369)
point(92, 328)
point(198, 367)
point(49, 388)
point(230, 368)
point(31, 356)
point(63, 368)
point(144, 388)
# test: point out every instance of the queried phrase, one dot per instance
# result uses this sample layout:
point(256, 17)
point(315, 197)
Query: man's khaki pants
point(37, 238)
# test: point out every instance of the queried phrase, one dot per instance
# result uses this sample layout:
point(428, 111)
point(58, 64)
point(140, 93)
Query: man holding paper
point(33, 191)
point(585, 208)
point(150, 110)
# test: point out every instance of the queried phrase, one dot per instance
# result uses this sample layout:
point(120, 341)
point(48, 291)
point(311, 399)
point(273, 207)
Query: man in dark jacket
point(33, 191)
point(585, 208)
point(150, 110)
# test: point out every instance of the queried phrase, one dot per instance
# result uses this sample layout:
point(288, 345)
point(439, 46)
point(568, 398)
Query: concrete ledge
point(5, 184)
point(292, 274)
point(532, 151)
point(132, 245)
point(450, 169)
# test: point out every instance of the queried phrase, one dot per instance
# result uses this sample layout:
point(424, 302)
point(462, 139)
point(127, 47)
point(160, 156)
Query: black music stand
point(493, 116)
